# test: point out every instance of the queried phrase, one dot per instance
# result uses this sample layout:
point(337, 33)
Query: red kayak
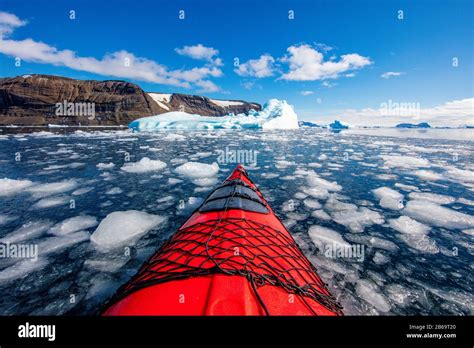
point(233, 256)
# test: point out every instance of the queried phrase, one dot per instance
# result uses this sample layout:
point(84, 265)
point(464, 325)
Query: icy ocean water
point(321, 185)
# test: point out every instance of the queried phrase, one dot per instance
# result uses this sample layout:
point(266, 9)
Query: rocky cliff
point(45, 99)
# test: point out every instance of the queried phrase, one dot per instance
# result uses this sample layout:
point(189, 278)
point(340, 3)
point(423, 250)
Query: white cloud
point(200, 52)
point(261, 67)
point(121, 64)
point(307, 64)
point(9, 22)
point(452, 114)
point(305, 93)
point(328, 84)
point(207, 86)
point(390, 74)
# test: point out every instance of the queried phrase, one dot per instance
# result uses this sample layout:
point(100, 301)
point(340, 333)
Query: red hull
point(233, 256)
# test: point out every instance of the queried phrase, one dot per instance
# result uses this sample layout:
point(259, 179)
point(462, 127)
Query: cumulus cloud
point(390, 74)
point(305, 93)
point(201, 52)
point(308, 64)
point(452, 114)
point(121, 64)
point(261, 67)
point(9, 22)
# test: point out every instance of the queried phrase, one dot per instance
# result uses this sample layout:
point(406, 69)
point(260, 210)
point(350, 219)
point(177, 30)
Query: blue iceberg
point(275, 114)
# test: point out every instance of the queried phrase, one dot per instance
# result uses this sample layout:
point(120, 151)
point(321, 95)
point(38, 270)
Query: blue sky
point(330, 61)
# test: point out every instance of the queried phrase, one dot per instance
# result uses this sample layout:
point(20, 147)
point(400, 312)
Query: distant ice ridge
point(276, 114)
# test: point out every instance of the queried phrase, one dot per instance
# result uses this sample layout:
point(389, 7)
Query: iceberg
point(275, 114)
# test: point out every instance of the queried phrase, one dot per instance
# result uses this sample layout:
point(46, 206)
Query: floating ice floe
point(436, 215)
point(76, 223)
point(369, 292)
point(51, 202)
point(414, 234)
point(29, 230)
point(121, 227)
point(197, 170)
point(43, 190)
point(22, 269)
point(57, 244)
point(357, 220)
point(432, 197)
point(322, 236)
point(174, 137)
point(389, 198)
point(114, 191)
point(428, 175)
point(404, 162)
point(103, 166)
point(143, 166)
point(380, 259)
point(460, 175)
point(11, 186)
point(275, 114)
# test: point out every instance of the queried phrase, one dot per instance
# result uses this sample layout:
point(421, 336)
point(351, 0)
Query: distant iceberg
point(275, 114)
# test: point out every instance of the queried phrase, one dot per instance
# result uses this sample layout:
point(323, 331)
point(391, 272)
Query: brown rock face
point(193, 104)
point(35, 99)
point(32, 101)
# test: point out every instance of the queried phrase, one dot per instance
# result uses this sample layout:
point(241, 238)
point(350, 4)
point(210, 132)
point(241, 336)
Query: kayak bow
point(233, 256)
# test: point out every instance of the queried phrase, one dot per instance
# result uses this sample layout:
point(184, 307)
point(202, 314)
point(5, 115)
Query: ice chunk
point(312, 203)
point(205, 182)
point(469, 231)
point(197, 170)
point(460, 175)
point(174, 181)
point(380, 259)
point(51, 202)
point(357, 220)
point(21, 269)
point(114, 191)
point(76, 223)
point(369, 292)
point(28, 230)
point(315, 181)
point(406, 187)
point(428, 175)
point(432, 197)
point(121, 227)
point(404, 162)
point(11, 186)
point(322, 236)
point(434, 214)
point(57, 244)
point(143, 166)
point(103, 166)
point(320, 214)
point(43, 190)
point(389, 198)
point(275, 114)
point(174, 137)
point(406, 225)
point(414, 234)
